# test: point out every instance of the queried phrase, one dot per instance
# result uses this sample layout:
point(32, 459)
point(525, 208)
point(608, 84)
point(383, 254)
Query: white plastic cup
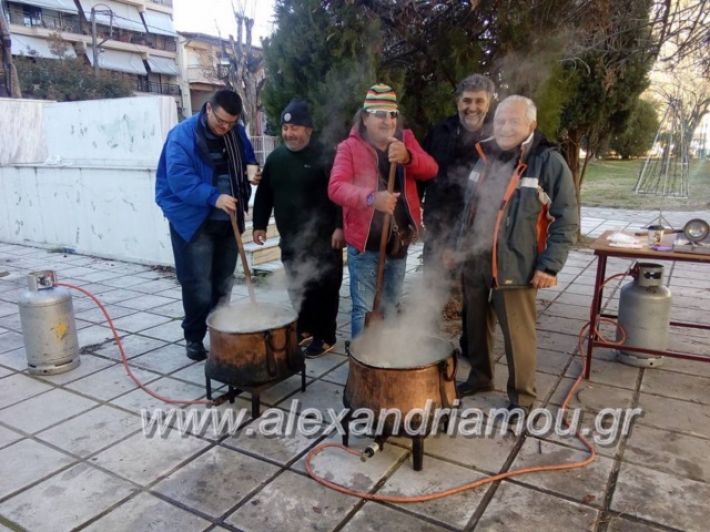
point(252, 170)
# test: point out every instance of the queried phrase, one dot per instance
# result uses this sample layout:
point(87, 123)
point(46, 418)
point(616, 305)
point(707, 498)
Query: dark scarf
point(232, 144)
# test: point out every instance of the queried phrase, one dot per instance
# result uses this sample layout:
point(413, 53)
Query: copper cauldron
point(380, 378)
point(252, 344)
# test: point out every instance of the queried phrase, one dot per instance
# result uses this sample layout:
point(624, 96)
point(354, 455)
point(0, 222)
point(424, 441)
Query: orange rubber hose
point(124, 359)
point(492, 478)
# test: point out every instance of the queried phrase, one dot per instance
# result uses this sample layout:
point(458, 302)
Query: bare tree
point(683, 30)
point(688, 92)
point(245, 72)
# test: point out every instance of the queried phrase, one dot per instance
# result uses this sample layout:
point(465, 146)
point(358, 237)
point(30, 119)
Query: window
point(31, 16)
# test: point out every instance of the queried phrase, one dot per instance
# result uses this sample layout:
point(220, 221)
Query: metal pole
point(94, 45)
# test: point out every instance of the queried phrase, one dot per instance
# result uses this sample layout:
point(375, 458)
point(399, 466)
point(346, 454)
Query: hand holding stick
point(243, 255)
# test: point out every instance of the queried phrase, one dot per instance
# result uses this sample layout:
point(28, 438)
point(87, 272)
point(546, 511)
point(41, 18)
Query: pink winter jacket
point(354, 177)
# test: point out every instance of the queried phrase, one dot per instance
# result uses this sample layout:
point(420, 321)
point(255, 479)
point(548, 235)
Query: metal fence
point(263, 146)
point(169, 89)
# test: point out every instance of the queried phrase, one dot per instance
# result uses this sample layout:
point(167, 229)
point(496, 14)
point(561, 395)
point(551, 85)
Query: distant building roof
point(213, 39)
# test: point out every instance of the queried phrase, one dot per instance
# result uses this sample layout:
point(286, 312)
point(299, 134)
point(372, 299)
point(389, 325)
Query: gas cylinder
point(645, 314)
point(48, 326)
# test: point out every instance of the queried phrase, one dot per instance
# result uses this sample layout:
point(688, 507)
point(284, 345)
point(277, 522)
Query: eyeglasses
point(383, 114)
point(222, 122)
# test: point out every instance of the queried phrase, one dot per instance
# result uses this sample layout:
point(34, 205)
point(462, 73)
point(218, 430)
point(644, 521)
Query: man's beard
point(473, 121)
point(295, 145)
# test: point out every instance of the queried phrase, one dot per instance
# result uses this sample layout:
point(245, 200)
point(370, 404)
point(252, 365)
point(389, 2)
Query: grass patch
point(611, 183)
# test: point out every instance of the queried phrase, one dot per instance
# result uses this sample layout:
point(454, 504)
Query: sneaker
point(305, 339)
point(317, 348)
point(195, 351)
point(467, 388)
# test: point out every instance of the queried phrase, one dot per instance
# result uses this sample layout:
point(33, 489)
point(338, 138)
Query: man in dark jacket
point(519, 220)
point(201, 182)
point(452, 143)
point(294, 184)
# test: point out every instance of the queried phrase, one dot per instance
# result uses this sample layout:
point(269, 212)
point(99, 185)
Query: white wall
point(106, 212)
point(117, 132)
point(95, 192)
point(22, 139)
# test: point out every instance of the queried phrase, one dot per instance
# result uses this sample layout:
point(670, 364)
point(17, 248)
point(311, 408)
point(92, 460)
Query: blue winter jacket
point(183, 186)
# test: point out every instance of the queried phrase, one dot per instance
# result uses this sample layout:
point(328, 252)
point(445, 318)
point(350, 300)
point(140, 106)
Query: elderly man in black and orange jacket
point(519, 221)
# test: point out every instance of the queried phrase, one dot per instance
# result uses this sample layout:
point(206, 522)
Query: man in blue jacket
point(201, 181)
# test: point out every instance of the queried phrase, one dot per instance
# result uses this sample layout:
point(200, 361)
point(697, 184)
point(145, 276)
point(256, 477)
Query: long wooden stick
point(383, 246)
point(243, 255)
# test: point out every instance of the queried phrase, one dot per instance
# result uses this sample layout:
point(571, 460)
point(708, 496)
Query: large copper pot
point(389, 380)
point(252, 344)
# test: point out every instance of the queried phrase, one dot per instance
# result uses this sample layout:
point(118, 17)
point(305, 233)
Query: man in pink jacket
point(358, 183)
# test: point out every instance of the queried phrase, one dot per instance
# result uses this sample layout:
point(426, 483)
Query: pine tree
point(325, 54)
point(607, 80)
point(584, 62)
point(637, 137)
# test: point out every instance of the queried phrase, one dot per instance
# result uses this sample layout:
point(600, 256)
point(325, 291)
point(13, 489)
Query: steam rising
point(305, 266)
point(476, 239)
point(281, 294)
point(412, 338)
point(341, 84)
point(248, 317)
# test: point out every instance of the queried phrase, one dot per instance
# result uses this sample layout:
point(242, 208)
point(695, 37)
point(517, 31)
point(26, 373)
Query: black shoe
point(466, 388)
point(317, 348)
point(195, 351)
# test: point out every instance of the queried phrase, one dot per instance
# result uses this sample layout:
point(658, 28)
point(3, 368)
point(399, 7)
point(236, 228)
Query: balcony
point(167, 89)
point(202, 74)
point(159, 42)
point(43, 19)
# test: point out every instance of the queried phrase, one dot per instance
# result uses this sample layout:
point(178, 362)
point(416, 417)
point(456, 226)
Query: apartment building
point(136, 38)
point(204, 64)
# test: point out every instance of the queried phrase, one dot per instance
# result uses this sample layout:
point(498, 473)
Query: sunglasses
point(383, 114)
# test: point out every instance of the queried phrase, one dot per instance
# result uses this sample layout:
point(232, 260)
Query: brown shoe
point(304, 339)
point(467, 388)
point(317, 348)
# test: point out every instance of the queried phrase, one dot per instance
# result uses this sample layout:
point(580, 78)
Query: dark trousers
point(314, 287)
point(516, 312)
point(205, 270)
point(435, 274)
point(433, 247)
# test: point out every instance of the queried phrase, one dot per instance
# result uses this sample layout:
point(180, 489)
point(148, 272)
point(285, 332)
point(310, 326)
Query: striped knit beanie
point(380, 96)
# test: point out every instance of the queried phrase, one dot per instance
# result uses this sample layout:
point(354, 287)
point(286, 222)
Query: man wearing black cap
point(294, 184)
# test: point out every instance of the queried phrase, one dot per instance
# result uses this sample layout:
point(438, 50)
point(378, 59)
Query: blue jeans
point(363, 271)
point(205, 270)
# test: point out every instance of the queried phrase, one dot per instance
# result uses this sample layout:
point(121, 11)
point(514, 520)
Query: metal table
point(603, 251)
